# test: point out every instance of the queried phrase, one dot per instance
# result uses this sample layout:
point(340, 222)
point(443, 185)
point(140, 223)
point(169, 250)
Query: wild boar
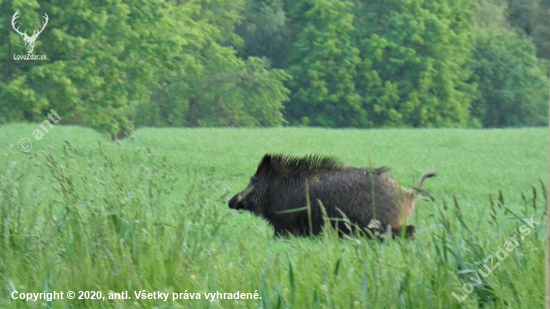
point(277, 193)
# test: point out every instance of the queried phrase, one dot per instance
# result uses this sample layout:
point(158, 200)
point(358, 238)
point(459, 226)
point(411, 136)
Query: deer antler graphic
point(29, 40)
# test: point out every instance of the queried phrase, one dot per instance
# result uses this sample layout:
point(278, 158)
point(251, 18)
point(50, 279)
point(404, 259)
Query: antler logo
point(29, 40)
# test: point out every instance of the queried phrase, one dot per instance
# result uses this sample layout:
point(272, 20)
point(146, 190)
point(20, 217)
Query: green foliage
point(223, 15)
point(512, 82)
point(150, 214)
point(397, 63)
point(110, 64)
point(323, 65)
point(491, 14)
point(265, 31)
point(413, 55)
point(387, 64)
point(227, 91)
point(118, 64)
point(532, 17)
point(102, 60)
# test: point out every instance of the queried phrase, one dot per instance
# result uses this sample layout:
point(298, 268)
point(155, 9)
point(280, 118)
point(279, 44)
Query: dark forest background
point(118, 65)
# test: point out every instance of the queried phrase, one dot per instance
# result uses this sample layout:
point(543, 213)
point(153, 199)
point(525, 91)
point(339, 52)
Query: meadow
point(149, 213)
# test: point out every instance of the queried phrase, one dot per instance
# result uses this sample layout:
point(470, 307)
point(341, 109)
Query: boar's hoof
point(411, 230)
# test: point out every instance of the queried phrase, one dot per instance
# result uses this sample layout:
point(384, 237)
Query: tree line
point(117, 65)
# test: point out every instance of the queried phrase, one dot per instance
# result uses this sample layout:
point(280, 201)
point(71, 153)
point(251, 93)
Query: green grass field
point(80, 213)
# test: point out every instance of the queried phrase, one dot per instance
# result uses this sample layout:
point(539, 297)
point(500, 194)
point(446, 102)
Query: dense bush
point(512, 82)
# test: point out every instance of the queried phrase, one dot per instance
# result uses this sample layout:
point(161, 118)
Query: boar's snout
point(235, 202)
point(239, 200)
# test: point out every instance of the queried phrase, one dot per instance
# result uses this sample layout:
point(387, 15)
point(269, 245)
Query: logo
point(29, 40)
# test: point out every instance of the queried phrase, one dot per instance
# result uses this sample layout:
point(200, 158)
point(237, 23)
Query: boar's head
point(251, 197)
point(275, 175)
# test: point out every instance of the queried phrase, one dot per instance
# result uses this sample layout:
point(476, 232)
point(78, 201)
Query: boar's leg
point(282, 230)
point(409, 231)
point(340, 227)
point(279, 231)
point(298, 228)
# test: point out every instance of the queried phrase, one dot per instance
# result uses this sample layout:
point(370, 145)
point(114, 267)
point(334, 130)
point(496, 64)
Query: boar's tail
point(424, 177)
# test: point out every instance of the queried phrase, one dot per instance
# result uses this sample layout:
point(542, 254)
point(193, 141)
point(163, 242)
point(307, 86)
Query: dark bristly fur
point(309, 164)
point(306, 163)
point(279, 186)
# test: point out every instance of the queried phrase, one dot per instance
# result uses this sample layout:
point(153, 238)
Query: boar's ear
point(264, 166)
